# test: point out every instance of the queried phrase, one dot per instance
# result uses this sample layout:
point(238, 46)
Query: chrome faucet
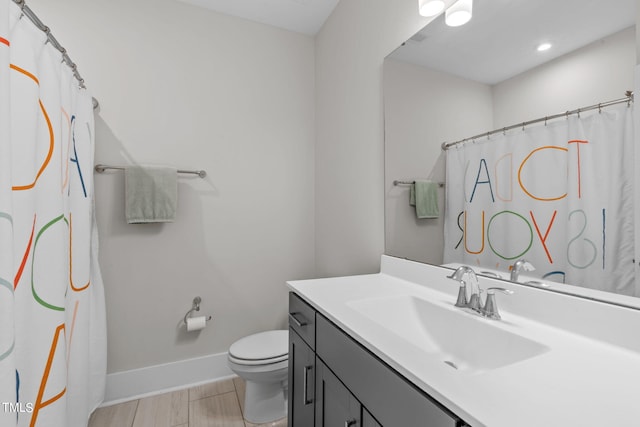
point(519, 266)
point(490, 309)
point(469, 292)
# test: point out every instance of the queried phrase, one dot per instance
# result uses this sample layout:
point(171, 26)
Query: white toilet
point(262, 361)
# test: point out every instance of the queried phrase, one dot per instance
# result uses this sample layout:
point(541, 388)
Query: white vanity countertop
point(579, 381)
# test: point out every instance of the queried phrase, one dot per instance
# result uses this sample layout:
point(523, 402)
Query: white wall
point(601, 71)
point(350, 50)
point(184, 86)
point(422, 109)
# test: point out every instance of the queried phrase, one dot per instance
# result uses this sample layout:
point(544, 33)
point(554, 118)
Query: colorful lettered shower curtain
point(52, 315)
point(559, 195)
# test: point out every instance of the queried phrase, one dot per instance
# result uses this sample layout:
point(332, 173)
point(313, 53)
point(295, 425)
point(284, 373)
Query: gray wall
point(349, 158)
point(290, 130)
point(184, 86)
point(422, 109)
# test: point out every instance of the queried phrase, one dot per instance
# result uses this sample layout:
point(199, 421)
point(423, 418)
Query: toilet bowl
point(262, 360)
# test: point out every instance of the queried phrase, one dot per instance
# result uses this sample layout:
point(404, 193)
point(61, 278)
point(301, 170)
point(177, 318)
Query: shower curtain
point(52, 315)
point(558, 194)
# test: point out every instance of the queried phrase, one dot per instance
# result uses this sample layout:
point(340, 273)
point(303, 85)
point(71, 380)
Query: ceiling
point(500, 40)
point(301, 16)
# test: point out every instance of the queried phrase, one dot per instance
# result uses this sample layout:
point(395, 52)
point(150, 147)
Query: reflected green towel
point(424, 196)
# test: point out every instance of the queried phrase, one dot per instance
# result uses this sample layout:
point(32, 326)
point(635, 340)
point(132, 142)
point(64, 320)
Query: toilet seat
point(263, 348)
point(248, 362)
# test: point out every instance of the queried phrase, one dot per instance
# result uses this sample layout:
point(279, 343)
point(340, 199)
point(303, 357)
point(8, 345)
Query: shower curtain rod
point(628, 99)
point(26, 11)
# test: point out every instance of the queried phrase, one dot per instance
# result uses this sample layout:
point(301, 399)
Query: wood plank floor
point(216, 404)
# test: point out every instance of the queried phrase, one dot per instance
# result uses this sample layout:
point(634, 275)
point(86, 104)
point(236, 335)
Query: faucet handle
point(462, 294)
point(491, 291)
point(490, 309)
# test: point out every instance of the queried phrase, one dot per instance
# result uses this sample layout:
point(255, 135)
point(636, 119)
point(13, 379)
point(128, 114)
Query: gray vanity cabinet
point(335, 405)
point(353, 387)
point(302, 373)
point(302, 363)
point(368, 420)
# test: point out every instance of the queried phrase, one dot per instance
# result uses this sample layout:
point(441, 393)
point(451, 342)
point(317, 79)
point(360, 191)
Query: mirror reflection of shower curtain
point(52, 315)
point(558, 194)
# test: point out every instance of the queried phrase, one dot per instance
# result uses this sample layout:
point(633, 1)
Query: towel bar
point(102, 168)
point(398, 182)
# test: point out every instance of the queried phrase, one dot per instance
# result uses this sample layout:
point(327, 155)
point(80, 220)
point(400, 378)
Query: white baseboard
point(158, 379)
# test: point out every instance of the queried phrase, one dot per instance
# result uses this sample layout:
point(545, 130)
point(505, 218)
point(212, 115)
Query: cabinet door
point(335, 405)
point(301, 382)
point(368, 420)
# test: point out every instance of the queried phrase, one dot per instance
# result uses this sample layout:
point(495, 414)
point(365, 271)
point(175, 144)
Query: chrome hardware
point(518, 267)
point(537, 283)
point(102, 168)
point(490, 274)
point(490, 309)
point(305, 398)
point(474, 302)
point(195, 307)
point(462, 295)
point(469, 292)
point(299, 323)
point(350, 422)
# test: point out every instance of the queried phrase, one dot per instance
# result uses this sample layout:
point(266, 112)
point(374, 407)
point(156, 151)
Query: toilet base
point(264, 402)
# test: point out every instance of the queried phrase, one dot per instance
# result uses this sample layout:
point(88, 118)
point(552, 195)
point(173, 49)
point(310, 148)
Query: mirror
point(446, 84)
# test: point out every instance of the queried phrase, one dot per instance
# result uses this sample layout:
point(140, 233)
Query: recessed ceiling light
point(544, 46)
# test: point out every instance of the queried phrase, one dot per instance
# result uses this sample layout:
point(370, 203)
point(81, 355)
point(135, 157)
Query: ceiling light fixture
point(431, 7)
point(459, 13)
point(543, 46)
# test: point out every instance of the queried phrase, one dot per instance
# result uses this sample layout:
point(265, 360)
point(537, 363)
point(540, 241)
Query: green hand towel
point(151, 194)
point(424, 196)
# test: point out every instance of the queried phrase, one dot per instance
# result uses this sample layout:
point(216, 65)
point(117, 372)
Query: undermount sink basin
point(465, 342)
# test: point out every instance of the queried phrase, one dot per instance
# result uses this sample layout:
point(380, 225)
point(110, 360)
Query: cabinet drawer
point(302, 318)
point(388, 396)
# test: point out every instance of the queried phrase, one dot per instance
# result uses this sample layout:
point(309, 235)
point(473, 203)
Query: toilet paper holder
point(195, 307)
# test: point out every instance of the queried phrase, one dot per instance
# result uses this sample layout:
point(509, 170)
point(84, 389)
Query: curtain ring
point(523, 124)
point(600, 108)
point(504, 131)
point(578, 113)
point(488, 135)
point(567, 114)
point(545, 120)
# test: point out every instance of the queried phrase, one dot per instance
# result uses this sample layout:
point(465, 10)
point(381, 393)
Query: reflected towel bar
point(102, 168)
point(398, 182)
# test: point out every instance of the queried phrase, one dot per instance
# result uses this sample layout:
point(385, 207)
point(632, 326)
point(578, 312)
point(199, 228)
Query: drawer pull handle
point(350, 422)
point(299, 323)
point(305, 381)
